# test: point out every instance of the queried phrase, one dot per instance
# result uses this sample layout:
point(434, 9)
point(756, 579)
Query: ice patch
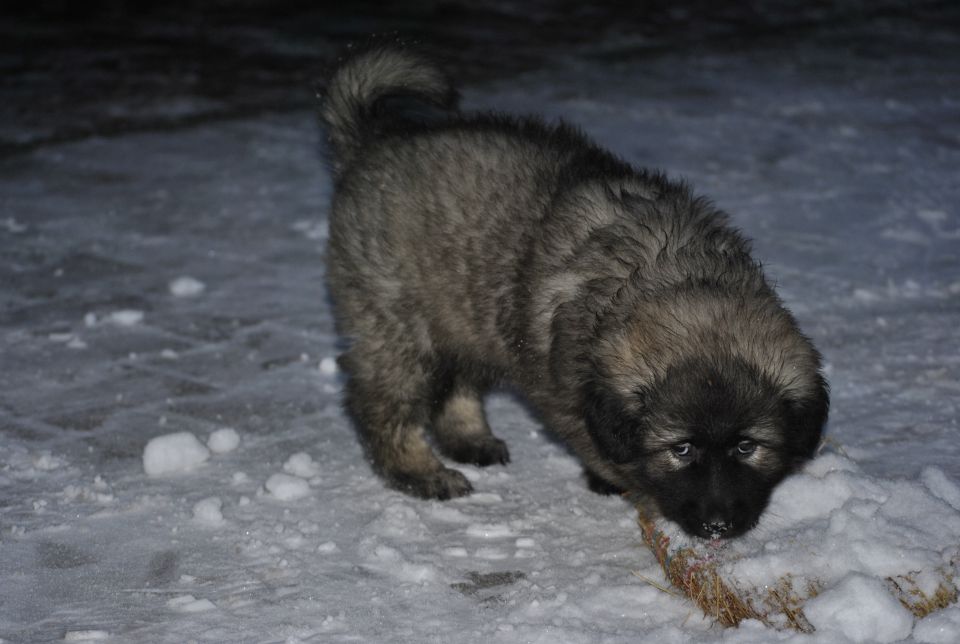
point(287, 488)
point(481, 498)
point(491, 554)
point(489, 531)
point(448, 514)
point(186, 287)
point(85, 636)
point(208, 511)
point(456, 552)
point(300, 464)
point(125, 317)
point(223, 440)
point(190, 604)
point(862, 609)
point(177, 452)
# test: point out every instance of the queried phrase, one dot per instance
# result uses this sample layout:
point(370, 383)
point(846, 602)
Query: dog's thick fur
point(466, 249)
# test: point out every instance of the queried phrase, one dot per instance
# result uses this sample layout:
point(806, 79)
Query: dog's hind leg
point(460, 426)
point(389, 394)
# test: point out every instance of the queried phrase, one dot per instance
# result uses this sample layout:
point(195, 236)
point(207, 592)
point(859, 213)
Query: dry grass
point(904, 588)
point(779, 605)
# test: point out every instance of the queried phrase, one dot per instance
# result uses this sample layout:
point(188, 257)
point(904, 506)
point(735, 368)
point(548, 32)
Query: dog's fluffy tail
point(354, 97)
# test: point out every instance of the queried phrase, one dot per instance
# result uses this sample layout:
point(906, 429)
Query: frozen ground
point(837, 150)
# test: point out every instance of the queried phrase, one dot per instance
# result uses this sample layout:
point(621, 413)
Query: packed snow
point(117, 523)
point(861, 609)
point(845, 533)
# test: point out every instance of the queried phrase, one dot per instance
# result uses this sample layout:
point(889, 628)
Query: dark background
point(62, 61)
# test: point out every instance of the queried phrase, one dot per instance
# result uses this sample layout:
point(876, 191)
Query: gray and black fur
point(466, 249)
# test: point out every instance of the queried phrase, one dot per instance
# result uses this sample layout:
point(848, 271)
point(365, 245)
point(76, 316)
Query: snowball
point(328, 366)
point(208, 511)
point(125, 317)
point(286, 487)
point(177, 452)
point(223, 440)
point(186, 287)
point(190, 604)
point(862, 609)
point(300, 464)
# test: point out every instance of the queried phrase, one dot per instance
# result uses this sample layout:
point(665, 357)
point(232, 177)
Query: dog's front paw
point(439, 484)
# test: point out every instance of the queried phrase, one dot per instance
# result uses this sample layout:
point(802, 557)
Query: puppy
point(468, 249)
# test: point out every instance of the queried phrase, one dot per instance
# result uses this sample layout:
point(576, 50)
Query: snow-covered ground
point(163, 282)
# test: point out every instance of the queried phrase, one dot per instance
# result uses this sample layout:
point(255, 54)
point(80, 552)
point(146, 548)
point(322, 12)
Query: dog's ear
point(805, 420)
point(616, 431)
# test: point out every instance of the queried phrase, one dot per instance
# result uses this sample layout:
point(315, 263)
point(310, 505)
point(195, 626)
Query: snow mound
point(178, 452)
point(861, 608)
point(842, 547)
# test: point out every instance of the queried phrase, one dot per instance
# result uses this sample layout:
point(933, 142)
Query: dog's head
point(708, 439)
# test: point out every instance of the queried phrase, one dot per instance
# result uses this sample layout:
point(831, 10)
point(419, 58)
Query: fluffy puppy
point(466, 249)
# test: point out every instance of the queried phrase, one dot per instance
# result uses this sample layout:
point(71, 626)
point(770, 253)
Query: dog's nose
point(716, 528)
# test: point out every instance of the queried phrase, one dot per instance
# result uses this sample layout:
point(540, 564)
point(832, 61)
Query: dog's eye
point(684, 451)
point(745, 448)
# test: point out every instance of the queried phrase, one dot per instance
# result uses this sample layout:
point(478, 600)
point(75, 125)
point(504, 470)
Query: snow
point(834, 146)
point(125, 317)
point(837, 527)
point(287, 488)
point(302, 465)
point(328, 366)
point(940, 628)
point(186, 286)
point(223, 440)
point(208, 511)
point(190, 604)
point(85, 636)
point(178, 452)
point(862, 610)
